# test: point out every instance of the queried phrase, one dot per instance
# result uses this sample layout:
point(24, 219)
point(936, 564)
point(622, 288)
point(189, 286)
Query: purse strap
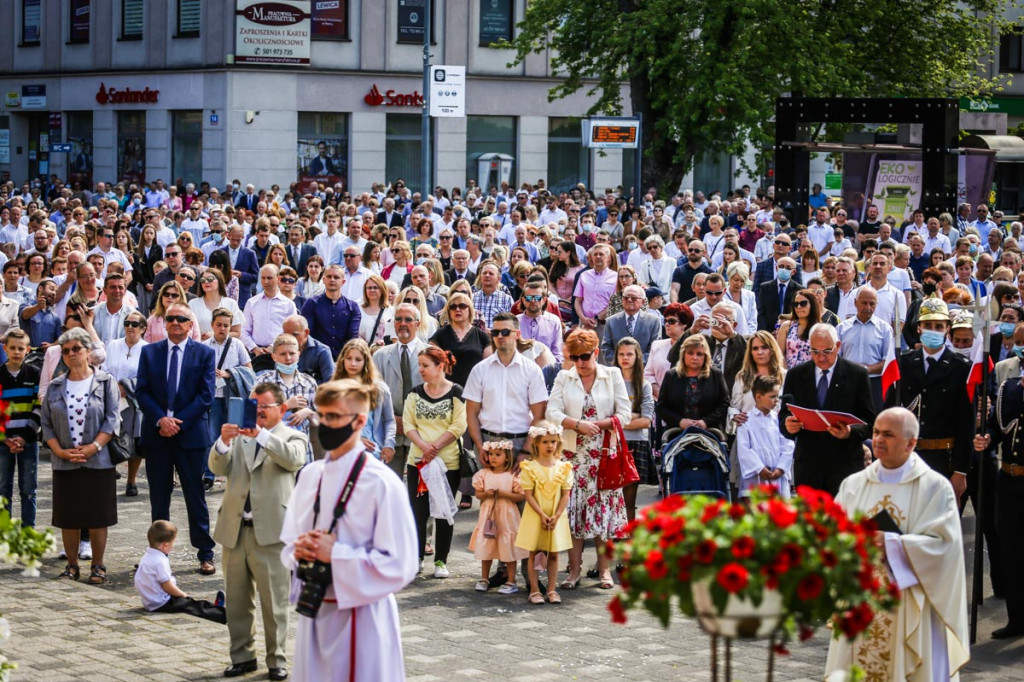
point(620, 437)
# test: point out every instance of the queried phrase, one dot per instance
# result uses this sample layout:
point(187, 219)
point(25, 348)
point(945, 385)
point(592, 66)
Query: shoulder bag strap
point(376, 325)
point(224, 353)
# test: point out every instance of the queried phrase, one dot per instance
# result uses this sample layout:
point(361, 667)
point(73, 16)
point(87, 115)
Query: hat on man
point(963, 319)
point(933, 309)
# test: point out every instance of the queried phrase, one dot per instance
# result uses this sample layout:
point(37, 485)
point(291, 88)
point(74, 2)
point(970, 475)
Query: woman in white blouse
point(737, 275)
point(378, 315)
point(656, 270)
point(123, 364)
point(211, 283)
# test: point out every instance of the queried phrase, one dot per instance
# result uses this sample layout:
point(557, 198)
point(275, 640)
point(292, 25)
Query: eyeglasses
point(267, 406)
point(287, 280)
point(582, 356)
point(132, 323)
point(407, 320)
point(187, 277)
point(801, 304)
point(708, 292)
point(207, 280)
point(785, 267)
point(459, 306)
point(533, 298)
point(495, 333)
point(671, 320)
point(180, 319)
point(170, 294)
point(70, 351)
point(823, 351)
point(637, 298)
point(351, 255)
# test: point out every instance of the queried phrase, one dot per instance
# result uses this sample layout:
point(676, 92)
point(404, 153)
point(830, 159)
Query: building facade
point(132, 90)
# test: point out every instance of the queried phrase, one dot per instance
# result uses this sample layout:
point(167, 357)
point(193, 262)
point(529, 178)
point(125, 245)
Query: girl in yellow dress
point(546, 481)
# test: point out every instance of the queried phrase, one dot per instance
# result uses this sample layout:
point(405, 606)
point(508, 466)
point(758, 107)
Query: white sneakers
point(440, 570)
point(85, 550)
point(508, 588)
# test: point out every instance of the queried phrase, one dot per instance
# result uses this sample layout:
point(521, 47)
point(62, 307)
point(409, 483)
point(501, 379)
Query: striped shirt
point(21, 391)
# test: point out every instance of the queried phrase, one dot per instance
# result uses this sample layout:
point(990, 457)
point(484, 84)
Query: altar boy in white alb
point(371, 548)
point(925, 639)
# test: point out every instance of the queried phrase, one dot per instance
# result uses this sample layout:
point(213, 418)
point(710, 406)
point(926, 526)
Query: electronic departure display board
point(610, 133)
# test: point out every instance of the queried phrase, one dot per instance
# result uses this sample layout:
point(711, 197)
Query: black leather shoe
point(131, 490)
point(1009, 631)
point(236, 669)
point(278, 673)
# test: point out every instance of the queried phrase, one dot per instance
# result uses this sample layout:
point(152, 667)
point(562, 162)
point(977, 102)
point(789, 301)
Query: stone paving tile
point(73, 631)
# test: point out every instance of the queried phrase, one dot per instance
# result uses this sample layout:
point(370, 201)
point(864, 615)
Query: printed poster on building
point(897, 188)
point(272, 32)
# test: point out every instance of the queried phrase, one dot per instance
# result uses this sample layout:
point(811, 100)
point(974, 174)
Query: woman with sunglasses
point(444, 249)
point(123, 364)
point(396, 272)
point(170, 294)
point(214, 295)
point(693, 393)
point(583, 400)
point(286, 280)
point(466, 342)
point(794, 335)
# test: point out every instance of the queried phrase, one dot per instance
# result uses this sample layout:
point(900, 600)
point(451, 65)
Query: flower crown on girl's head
point(545, 428)
point(497, 445)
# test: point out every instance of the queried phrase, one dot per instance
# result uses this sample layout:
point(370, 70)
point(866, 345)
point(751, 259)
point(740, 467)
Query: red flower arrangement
point(822, 563)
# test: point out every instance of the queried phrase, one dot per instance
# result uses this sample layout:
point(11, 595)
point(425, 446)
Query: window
point(489, 135)
point(1011, 54)
point(329, 20)
point(80, 137)
point(31, 21)
point(132, 19)
point(495, 21)
point(323, 147)
point(131, 146)
point(568, 159)
point(78, 24)
point(403, 149)
point(189, 19)
point(187, 146)
point(410, 21)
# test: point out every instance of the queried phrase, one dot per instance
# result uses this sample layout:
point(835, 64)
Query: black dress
point(708, 400)
point(468, 352)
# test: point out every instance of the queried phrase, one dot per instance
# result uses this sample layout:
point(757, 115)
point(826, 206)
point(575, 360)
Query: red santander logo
point(391, 98)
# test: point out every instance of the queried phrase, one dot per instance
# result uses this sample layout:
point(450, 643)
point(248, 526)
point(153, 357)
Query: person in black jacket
point(822, 459)
point(694, 393)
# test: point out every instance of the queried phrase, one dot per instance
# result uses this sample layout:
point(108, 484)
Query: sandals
point(606, 580)
point(570, 583)
point(482, 586)
point(536, 598)
point(98, 574)
point(71, 572)
point(554, 598)
point(428, 549)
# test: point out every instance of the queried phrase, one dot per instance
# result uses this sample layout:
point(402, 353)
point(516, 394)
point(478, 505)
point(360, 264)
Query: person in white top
point(326, 243)
point(194, 223)
point(214, 295)
point(892, 304)
point(372, 554)
point(658, 269)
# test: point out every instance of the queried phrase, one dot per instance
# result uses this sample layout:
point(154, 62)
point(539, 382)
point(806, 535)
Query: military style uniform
point(1006, 428)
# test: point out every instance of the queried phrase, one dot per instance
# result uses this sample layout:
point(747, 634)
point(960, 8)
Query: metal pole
point(638, 162)
point(425, 132)
point(980, 421)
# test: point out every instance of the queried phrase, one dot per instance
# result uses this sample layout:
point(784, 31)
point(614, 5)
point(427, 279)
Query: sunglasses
point(69, 351)
point(180, 319)
point(407, 320)
point(801, 304)
point(170, 294)
point(708, 292)
point(187, 277)
point(413, 301)
point(132, 323)
point(671, 320)
point(208, 280)
point(495, 333)
point(351, 255)
point(287, 280)
point(174, 254)
point(446, 236)
point(695, 250)
point(582, 356)
point(459, 306)
point(107, 236)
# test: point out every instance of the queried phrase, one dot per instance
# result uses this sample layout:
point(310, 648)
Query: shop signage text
point(112, 95)
point(391, 98)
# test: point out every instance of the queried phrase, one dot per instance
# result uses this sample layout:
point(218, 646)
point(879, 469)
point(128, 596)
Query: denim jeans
point(27, 464)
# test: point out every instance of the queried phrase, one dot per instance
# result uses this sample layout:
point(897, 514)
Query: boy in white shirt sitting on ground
point(156, 585)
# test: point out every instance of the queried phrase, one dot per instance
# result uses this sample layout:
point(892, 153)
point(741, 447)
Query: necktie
point(822, 388)
point(719, 357)
point(248, 503)
point(172, 378)
point(782, 296)
point(929, 365)
point(629, 326)
point(295, 256)
point(406, 372)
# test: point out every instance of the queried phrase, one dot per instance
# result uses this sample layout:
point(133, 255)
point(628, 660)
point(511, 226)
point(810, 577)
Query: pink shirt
point(595, 289)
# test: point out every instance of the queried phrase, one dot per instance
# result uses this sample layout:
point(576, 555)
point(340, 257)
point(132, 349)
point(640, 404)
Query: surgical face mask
point(973, 249)
point(932, 339)
point(217, 238)
point(1006, 328)
point(287, 369)
point(421, 260)
point(332, 438)
point(966, 352)
point(784, 275)
point(632, 246)
point(1018, 350)
point(235, 185)
point(587, 227)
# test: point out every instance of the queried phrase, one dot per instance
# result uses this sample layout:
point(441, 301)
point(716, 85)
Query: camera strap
point(346, 493)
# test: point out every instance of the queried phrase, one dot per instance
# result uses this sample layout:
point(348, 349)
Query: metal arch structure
point(940, 118)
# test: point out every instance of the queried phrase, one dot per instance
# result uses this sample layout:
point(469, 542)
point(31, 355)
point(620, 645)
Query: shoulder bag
point(616, 468)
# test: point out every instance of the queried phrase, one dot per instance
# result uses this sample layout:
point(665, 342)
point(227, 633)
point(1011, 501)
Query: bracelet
point(98, 446)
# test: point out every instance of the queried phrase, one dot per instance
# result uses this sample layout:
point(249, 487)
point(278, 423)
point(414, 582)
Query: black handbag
point(468, 463)
point(121, 448)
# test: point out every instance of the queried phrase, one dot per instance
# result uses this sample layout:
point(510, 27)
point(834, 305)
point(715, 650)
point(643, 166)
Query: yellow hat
point(933, 309)
point(963, 319)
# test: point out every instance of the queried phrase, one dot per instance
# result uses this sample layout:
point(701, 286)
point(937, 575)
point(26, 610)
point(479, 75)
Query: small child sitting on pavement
point(156, 584)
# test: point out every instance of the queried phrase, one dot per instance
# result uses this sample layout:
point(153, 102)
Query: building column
point(532, 163)
point(158, 145)
point(104, 145)
point(367, 144)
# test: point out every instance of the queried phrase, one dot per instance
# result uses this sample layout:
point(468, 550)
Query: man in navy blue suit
point(243, 264)
point(175, 389)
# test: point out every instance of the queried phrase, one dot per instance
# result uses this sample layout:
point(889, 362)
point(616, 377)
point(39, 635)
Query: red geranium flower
point(684, 564)
point(655, 565)
point(670, 504)
point(810, 587)
point(737, 512)
point(706, 551)
point(829, 558)
point(743, 547)
point(711, 511)
point(617, 611)
point(733, 577)
point(781, 514)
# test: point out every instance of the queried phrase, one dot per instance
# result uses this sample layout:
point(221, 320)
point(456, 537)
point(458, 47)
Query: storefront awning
point(1008, 148)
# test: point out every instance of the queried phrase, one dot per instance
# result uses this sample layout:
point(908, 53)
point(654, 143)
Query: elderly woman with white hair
point(737, 275)
point(656, 270)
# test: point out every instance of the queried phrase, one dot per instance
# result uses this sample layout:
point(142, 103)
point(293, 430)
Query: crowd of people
point(522, 325)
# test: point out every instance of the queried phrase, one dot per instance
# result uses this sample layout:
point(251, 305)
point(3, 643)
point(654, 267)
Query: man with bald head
point(866, 340)
point(314, 357)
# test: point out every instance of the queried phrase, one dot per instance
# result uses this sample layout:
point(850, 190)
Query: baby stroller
point(695, 462)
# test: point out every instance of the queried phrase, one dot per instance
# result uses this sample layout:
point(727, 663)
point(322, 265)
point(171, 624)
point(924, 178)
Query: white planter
point(741, 619)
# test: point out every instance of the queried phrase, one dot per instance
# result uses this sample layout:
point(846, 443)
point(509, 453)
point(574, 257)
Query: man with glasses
point(632, 321)
point(714, 293)
point(175, 390)
point(536, 322)
point(396, 363)
point(775, 296)
point(822, 459)
point(983, 225)
point(105, 247)
point(195, 224)
point(682, 278)
point(354, 271)
point(186, 277)
point(333, 318)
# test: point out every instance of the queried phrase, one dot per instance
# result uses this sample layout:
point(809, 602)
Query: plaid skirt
point(641, 450)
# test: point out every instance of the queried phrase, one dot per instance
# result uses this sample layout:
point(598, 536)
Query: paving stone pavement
point(72, 631)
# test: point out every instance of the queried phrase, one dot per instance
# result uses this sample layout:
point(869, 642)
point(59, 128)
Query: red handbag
point(616, 468)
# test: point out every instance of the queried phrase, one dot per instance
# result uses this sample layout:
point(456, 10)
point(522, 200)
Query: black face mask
point(332, 438)
point(928, 288)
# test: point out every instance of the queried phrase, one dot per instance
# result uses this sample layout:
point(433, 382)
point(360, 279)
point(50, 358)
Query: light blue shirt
point(865, 343)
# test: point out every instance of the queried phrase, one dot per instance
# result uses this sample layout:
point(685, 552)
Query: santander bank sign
point(391, 98)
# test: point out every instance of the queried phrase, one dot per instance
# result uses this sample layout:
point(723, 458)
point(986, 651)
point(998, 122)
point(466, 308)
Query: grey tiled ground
point(64, 630)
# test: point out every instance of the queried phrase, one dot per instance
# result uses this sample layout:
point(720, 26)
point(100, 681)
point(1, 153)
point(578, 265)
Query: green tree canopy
point(705, 73)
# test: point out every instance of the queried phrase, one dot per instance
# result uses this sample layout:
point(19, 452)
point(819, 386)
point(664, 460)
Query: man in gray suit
point(643, 326)
point(397, 365)
point(260, 468)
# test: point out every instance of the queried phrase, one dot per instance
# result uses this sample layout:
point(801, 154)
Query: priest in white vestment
point(372, 552)
point(926, 638)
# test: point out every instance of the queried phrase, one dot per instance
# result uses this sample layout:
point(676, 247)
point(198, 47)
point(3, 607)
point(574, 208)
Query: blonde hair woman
point(377, 310)
point(693, 393)
point(467, 343)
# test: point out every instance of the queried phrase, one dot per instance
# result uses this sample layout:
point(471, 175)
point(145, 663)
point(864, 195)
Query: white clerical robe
point(760, 445)
point(926, 639)
point(375, 556)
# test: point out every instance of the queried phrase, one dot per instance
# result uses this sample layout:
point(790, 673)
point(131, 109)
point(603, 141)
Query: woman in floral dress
point(583, 400)
point(794, 335)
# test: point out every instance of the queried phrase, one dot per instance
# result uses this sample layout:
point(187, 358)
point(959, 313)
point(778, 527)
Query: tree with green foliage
point(705, 74)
